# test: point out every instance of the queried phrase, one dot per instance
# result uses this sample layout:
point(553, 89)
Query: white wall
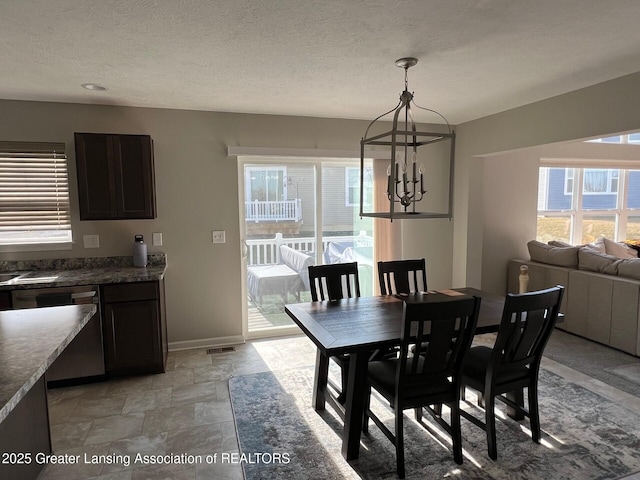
point(197, 191)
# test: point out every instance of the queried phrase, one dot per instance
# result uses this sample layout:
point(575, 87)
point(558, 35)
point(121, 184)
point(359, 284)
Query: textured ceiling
point(314, 58)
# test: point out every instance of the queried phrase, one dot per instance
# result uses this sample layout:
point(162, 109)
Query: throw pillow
point(635, 244)
point(593, 261)
point(559, 243)
point(619, 250)
point(560, 256)
point(629, 267)
point(597, 245)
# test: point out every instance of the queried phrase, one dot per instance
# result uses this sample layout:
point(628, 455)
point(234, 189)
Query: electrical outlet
point(91, 241)
point(157, 239)
point(217, 236)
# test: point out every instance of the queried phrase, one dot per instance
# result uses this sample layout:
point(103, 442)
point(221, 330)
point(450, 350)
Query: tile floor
point(185, 411)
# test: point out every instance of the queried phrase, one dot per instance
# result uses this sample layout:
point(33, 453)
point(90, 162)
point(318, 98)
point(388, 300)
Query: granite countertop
point(86, 271)
point(30, 340)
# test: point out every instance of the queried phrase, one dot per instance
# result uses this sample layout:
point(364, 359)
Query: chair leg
point(365, 411)
point(456, 433)
point(344, 372)
point(399, 442)
point(490, 424)
point(516, 397)
point(534, 414)
point(418, 413)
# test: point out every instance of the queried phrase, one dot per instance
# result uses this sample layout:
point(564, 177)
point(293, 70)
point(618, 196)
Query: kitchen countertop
point(81, 271)
point(30, 341)
point(85, 276)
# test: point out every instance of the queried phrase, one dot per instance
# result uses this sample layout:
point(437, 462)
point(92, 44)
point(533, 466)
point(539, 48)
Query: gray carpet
point(610, 366)
point(584, 437)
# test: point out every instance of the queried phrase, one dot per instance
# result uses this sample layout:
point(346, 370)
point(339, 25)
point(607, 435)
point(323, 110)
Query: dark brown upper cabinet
point(115, 176)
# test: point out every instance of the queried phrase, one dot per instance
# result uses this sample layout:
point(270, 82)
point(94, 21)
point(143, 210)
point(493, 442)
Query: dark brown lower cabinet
point(134, 328)
point(5, 300)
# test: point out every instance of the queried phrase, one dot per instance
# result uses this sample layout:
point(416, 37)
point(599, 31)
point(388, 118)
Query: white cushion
point(630, 268)
point(561, 256)
point(594, 261)
point(619, 250)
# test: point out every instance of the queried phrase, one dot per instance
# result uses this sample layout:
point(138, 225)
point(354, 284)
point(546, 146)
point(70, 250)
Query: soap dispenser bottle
point(139, 252)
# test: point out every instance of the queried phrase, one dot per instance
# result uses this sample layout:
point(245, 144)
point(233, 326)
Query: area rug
point(585, 436)
point(630, 372)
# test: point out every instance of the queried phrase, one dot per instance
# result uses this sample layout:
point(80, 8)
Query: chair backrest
point(527, 322)
point(402, 276)
point(333, 281)
point(442, 332)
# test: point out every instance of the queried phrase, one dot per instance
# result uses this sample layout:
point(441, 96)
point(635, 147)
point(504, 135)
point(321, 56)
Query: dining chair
point(396, 277)
point(514, 361)
point(333, 282)
point(402, 276)
point(443, 332)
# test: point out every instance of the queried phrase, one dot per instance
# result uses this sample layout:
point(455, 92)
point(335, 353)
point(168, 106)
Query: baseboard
point(206, 343)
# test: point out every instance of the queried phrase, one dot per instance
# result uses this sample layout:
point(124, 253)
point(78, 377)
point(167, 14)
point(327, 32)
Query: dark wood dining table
point(360, 326)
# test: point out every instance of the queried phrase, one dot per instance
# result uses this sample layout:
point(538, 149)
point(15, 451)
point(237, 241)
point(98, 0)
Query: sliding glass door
point(296, 213)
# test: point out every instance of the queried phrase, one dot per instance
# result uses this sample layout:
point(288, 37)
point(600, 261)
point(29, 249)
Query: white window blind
point(34, 193)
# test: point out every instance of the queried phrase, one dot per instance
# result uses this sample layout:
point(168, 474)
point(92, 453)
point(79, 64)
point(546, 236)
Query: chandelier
point(406, 149)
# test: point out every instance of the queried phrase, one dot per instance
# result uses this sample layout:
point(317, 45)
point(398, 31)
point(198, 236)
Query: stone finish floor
point(187, 410)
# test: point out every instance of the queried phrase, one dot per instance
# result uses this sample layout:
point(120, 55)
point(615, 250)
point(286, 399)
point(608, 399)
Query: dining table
point(363, 325)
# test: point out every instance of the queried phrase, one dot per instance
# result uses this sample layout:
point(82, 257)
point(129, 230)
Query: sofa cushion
point(559, 243)
point(597, 245)
point(594, 261)
point(629, 267)
point(619, 250)
point(561, 256)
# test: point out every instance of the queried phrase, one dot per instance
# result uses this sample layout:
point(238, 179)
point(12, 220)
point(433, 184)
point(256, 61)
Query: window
point(266, 184)
point(568, 182)
point(632, 138)
point(352, 186)
point(578, 205)
point(599, 180)
point(34, 194)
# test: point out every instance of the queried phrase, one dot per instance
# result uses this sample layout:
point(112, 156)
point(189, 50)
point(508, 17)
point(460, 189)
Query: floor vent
point(211, 351)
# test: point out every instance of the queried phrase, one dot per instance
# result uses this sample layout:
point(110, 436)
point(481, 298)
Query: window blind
point(34, 193)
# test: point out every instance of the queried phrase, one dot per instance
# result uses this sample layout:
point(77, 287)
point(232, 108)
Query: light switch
point(217, 236)
point(91, 241)
point(157, 239)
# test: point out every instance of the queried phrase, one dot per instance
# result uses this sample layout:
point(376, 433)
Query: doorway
point(295, 213)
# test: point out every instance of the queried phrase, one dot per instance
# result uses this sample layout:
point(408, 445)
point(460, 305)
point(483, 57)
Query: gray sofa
point(602, 290)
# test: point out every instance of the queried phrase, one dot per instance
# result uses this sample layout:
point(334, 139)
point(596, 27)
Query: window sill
point(36, 247)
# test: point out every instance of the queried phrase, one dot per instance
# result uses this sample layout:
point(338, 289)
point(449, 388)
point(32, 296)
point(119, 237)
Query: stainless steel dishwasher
point(83, 359)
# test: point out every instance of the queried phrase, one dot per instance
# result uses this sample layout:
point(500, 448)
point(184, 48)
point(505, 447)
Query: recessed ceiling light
point(93, 86)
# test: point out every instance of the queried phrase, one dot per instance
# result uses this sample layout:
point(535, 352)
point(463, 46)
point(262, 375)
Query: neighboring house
point(280, 198)
point(599, 192)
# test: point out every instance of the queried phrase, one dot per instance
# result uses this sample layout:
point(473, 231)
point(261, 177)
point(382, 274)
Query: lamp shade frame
point(394, 140)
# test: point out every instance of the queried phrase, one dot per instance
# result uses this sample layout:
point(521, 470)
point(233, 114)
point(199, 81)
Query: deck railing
point(266, 251)
point(273, 211)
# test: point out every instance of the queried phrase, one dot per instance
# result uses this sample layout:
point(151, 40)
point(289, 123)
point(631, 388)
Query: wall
point(197, 191)
point(602, 109)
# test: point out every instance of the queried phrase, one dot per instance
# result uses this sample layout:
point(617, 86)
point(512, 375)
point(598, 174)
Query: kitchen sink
point(8, 277)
